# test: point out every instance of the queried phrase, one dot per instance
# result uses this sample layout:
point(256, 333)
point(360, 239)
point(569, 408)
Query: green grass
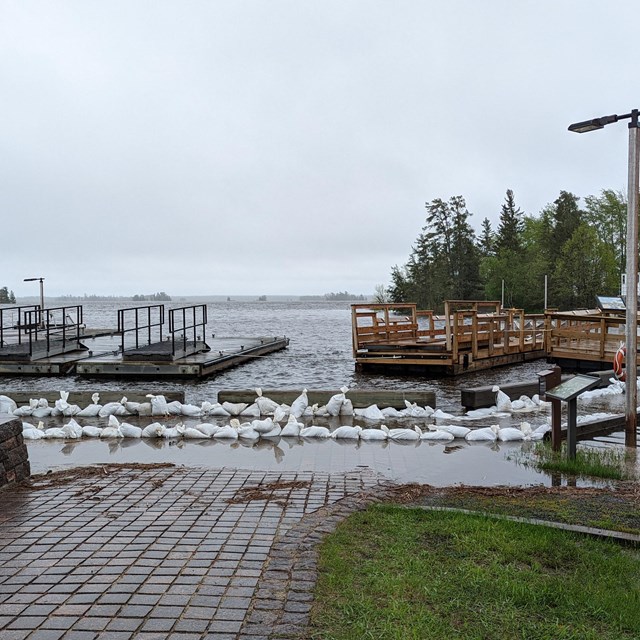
point(610, 464)
point(391, 573)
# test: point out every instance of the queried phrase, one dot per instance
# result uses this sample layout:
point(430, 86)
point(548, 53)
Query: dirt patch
point(616, 508)
point(271, 492)
point(69, 476)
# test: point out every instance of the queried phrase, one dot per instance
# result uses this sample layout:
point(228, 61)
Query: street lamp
point(41, 280)
point(631, 329)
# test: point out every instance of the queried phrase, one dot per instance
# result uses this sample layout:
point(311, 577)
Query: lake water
point(318, 357)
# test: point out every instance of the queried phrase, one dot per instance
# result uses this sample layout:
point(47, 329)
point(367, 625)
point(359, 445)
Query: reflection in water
point(68, 448)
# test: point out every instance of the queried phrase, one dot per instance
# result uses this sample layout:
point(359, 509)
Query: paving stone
point(164, 555)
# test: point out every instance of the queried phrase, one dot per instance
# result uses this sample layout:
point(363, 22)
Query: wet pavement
point(167, 552)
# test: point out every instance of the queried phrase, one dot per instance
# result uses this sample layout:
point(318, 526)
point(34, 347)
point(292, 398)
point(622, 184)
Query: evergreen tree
point(510, 227)
point(486, 239)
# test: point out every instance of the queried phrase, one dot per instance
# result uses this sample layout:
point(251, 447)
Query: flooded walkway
point(160, 552)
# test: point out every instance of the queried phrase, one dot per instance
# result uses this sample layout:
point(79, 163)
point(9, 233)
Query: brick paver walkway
point(166, 552)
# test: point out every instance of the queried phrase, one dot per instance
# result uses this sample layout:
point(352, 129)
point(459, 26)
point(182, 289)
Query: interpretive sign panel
point(572, 388)
point(611, 303)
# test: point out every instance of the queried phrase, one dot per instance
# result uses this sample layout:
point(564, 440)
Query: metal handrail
point(176, 327)
point(138, 326)
point(14, 324)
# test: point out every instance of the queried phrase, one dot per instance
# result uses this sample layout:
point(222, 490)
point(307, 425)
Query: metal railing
point(59, 325)
point(12, 320)
point(138, 321)
point(184, 321)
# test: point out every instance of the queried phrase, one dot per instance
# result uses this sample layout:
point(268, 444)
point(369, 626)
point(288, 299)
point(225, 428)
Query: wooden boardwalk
point(469, 336)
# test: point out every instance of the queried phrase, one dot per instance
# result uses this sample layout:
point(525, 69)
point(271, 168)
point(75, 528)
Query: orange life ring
point(618, 362)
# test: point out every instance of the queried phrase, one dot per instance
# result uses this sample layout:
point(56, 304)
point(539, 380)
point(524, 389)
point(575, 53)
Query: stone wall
point(14, 459)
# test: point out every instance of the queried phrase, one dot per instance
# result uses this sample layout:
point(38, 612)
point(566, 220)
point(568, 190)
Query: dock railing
point(53, 329)
point(13, 323)
point(468, 330)
point(588, 335)
point(142, 325)
point(187, 327)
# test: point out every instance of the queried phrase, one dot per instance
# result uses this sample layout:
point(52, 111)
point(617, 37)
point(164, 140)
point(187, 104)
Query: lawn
point(392, 572)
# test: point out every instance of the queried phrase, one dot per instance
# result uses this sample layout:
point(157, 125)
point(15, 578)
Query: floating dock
point(469, 336)
point(58, 343)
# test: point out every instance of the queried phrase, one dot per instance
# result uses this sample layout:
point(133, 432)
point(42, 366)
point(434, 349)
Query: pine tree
point(510, 227)
point(486, 239)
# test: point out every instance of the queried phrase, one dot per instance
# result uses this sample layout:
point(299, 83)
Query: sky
point(288, 146)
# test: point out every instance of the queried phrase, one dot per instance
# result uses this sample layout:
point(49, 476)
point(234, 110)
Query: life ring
point(618, 363)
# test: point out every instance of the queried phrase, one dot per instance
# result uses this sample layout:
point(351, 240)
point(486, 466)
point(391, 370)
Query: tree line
point(582, 250)
point(6, 296)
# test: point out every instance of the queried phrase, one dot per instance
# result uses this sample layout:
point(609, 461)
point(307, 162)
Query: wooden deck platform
point(469, 336)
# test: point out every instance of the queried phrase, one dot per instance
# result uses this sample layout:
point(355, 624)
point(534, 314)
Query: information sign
point(572, 388)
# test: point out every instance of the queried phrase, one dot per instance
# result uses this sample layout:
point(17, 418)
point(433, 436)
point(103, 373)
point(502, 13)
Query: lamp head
point(592, 125)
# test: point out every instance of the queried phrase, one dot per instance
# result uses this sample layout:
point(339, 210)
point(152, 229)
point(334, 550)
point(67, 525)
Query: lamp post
point(631, 329)
point(41, 280)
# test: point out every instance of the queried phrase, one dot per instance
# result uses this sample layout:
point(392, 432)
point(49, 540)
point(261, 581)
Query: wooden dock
point(469, 336)
point(584, 340)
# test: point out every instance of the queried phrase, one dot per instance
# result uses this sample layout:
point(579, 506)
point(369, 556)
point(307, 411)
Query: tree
point(586, 267)
point(380, 294)
point(486, 240)
point(6, 296)
point(607, 213)
point(510, 227)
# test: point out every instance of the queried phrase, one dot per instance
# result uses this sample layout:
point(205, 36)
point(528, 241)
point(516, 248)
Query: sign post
point(568, 392)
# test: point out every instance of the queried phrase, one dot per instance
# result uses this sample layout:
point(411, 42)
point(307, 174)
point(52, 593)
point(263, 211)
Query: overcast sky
point(289, 147)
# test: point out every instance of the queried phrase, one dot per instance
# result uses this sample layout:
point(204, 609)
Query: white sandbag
point(174, 408)
point(482, 434)
point(153, 430)
point(299, 404)
point(112, 409)
point(266, 405)
point(55, 433)
point(437, 434)
point(503, 403)
point(133, 408)
point(274, 433)
point(346, 432)
point(73, 430)
point(144, 409)
point(252, 411)
point(315, 432)
point(207, 429)
point(281, 413)
point(32, 434)
point(226, 433)
point(7, 405)
point(158, 405)
point(247, 432)
point(90, 411)
point(219, 411)
point(130, 431)
point(111, 432)
point(438, 414)
point(335, 402)
point(405, 434)
point(347, 408)
point(370, 413)
point(41, 412)
point(191, 433)
point(392, 412)
point(456, 430)
point(510, 434)
point(292, 428)
point(234, 408)
point(90, 431)
point(263, 426)
point(191, 410)
point(23, 412)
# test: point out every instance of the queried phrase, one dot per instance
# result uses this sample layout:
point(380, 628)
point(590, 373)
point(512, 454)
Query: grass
point(394, 573)
point(612, 464)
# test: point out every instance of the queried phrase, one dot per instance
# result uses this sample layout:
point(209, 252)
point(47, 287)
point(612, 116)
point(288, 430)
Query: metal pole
point(545, 292)
point(42, 319)
point(631, 337)
point(502, 300)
